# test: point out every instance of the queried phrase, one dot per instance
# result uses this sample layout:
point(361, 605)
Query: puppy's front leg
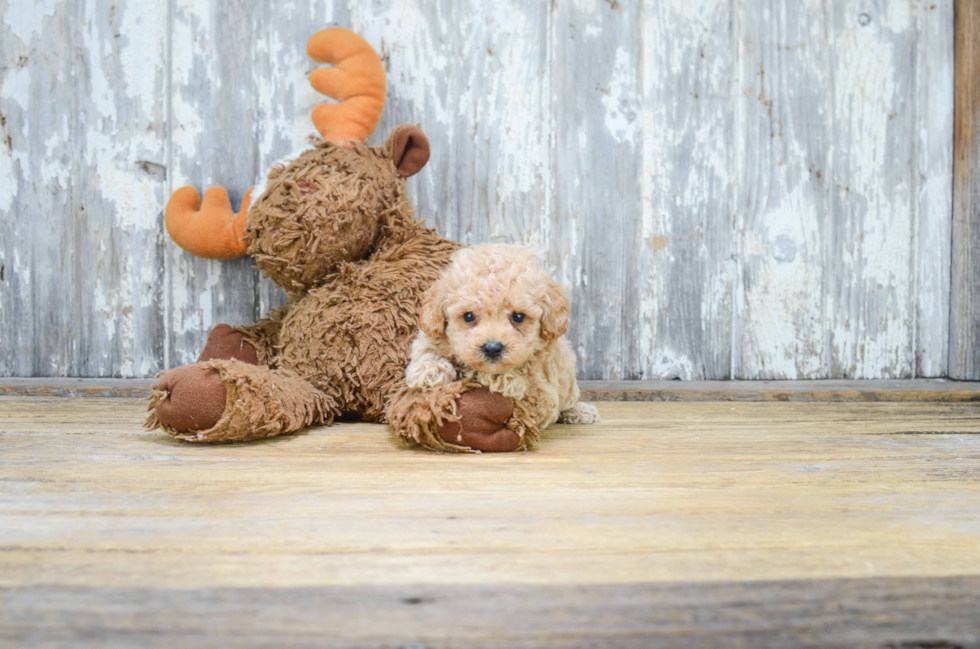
point(429, 371)
point(509, 384)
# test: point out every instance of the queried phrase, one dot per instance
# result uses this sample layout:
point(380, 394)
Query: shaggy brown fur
point(335, 229)
point(323, 209)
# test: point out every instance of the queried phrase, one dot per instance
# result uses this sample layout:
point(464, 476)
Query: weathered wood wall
point(964, 312)
point(731, 189)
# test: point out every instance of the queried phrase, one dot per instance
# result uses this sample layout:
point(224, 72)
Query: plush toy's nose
point(492, 350)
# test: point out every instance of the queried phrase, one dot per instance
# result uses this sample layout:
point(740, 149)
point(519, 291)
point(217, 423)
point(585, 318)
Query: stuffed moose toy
point(333, 227)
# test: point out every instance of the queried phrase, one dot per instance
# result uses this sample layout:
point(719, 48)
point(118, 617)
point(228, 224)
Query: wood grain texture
point(685, 263)
point(897, 613)
point(37, 209)
point(964, 311)
point(870, 243)
point(730, 190)
point(658, 492)
point(598, 160)
point(421, 48)
point(783, 197)
point(932, 182)
point(669, 524)
point(119, 146)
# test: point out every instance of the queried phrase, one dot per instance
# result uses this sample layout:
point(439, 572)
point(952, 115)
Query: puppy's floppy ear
point(432, 320)
point(554, 322)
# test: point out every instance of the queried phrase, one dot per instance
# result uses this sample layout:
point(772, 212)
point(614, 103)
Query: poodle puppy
point(495, 316)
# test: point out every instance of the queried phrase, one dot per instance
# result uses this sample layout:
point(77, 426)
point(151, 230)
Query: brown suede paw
point(482, 415)
point(195, 399)
point(224, 343)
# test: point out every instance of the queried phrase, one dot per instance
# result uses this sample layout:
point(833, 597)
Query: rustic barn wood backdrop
point(730, 188)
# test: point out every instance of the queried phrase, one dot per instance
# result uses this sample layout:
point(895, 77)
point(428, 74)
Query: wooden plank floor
point(670, 524)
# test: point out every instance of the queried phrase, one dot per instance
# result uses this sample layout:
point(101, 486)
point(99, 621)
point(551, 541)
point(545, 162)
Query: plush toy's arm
point(264, 334)
point(209, 229)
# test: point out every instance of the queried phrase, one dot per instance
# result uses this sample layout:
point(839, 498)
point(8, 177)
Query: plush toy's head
point(328, 206)
point(330, 203)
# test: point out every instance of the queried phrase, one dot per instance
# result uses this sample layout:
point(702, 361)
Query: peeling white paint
point(897, 16)
point(26, 18)
point(54, 171)
point(9, 186)
point(686, 309)
point(780, 307)
point(934, 61)
point(105, 310)
point(17, 87)
point(876, 339)
point(621, 99)
point(413, 69)
point(143, 28)
point(674, 365)
point(23, 272)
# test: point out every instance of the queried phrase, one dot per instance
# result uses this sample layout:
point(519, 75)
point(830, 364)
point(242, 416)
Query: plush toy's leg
point(263, 336)
point(227, 343)
point(233, 401)
point(460, 417)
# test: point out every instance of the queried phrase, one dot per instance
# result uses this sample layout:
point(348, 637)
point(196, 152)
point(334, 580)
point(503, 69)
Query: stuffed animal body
point(333, 227)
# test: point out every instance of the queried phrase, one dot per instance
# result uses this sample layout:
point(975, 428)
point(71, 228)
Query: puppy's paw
point(580, 413)
point(509, 384)
point(429, 371)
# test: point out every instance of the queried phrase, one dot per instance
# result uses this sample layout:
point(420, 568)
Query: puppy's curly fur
point(497, 317)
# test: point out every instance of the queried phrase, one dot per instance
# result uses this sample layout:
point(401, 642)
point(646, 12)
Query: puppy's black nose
point(492, 350)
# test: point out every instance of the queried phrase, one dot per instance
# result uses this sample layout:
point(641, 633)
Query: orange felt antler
point(209, 229)
point(357, 80)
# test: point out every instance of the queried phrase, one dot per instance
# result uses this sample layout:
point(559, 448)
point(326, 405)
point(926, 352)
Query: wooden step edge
point(925, 390)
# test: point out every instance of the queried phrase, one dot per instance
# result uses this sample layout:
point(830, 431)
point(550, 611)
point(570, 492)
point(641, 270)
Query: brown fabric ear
point(409, 149)
point(554, 322)
point(432, 322)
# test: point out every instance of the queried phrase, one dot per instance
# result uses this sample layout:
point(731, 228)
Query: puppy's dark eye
point(468, 317)
point(517, 318)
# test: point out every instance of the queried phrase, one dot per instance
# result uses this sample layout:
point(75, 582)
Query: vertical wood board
point(681, 323)
point(964, 312)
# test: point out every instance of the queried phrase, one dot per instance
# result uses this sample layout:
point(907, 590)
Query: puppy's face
point(494, 337)
point(494, 308)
